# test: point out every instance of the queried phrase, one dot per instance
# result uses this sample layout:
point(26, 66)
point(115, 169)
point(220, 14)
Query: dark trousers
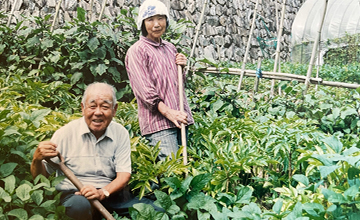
point(78, 207)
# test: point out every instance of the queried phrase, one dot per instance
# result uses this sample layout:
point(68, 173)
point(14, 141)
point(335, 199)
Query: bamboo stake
point(315, 46)
point(196, 35)
point(91, 9)
point(56, 14)
point(102, 10)
point(318, 65)
point(248, 44)
point(281, 76)
point(276, 15)
point(277, 54)
point(12, 12)
point(181, 103)
point(71, 176)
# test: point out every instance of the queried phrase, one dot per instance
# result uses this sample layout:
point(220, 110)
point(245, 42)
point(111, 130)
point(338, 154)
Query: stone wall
point(223, 35)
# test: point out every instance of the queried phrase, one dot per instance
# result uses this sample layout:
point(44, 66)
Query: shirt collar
point(153, 43)
point(84, 129)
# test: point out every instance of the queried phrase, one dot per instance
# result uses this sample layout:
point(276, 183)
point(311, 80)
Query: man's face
point(155, 26)
point(98, 110)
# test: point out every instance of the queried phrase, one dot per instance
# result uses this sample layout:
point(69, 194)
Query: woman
point(151, 64)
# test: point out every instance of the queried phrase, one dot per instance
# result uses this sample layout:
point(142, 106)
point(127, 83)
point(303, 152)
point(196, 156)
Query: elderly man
point(96, 149)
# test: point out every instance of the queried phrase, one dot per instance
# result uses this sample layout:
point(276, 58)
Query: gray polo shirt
point(94, 162)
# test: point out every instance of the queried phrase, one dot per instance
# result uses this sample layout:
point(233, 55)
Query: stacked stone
point(224, 32)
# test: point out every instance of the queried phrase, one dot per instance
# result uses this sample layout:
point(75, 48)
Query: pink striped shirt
point(153, 77)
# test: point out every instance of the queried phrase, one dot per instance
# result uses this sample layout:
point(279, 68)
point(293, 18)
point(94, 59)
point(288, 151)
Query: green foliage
point(77, 53)
point(250, 156)
point(345, 51)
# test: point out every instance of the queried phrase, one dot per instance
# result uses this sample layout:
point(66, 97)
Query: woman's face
point(155, 26)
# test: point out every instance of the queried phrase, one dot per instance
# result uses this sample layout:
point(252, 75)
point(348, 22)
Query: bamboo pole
point(55, 16)
point(12, 12)
point(281, 76)
point(102, 10)
point(181, 103)
point(248, 44)
point(315, 46)
point(91, 9)
point(277, 54)
point(276, 14)
point(196, 36)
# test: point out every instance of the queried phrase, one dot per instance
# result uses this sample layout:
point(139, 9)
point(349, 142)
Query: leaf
point(326, 170)
point(32, 41)
point(252, 208)
point(115, 74)
point(353, 173)
point(21, 214)
point(347, 112)
point(277, 206)
point(244, 195)
point(145, 211)
point(99, 53)
point(351, 192)
point(301, 178)
point(217, 105)
point(202, 201)
point(55, 56)
point(81, 14)
point(163, 200)
point(334, 143)
point(23, 192)
point(37, 196)
point(200, 181)
point(38, 115)
point(76, 77)
point(93, 43)
point(36, 217)
point(49, 205)
point(6, 169)
point(4, 195)
point(10, 131)
point(46, 43)
point(10, 183)
point(2, 47)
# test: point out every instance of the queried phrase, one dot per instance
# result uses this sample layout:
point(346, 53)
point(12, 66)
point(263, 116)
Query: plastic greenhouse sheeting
point(342, 17)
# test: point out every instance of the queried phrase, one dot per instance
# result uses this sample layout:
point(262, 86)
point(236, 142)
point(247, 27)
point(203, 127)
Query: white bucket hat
point(150, 8)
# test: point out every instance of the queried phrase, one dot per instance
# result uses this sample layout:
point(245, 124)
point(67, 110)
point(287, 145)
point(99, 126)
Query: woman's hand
point(177, 117)
point(180, 59)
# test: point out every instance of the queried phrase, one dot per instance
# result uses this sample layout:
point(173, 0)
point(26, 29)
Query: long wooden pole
point(55, 16)
point(248, 44)
point(12, 12)
point(91, 9)
point(71, 176)
point(282, 76)
point(314, 49)
point(278, 44)
point(102, 10)
point(196, 36)
point(181, 103)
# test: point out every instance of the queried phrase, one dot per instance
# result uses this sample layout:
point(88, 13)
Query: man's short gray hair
point(100, 84)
